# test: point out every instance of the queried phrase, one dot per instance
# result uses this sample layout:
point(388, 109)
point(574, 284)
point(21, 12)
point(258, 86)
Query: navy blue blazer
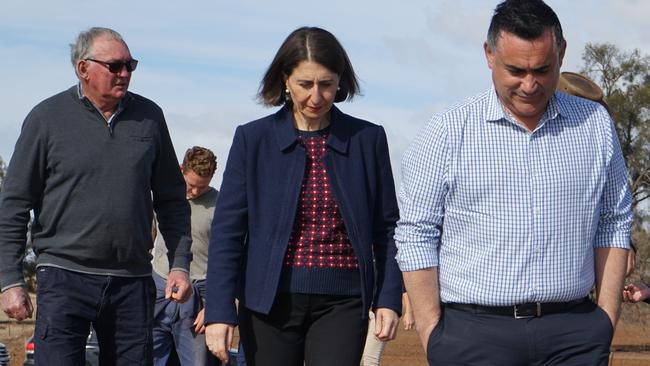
point(257, 206)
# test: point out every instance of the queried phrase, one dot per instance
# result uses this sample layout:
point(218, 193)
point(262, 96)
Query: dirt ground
point(631, 345)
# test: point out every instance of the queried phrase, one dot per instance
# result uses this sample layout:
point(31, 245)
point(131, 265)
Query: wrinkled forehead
point(108, 47)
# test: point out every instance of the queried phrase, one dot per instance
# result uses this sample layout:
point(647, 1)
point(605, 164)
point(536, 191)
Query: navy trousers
point(580, 336)
point(119, 308)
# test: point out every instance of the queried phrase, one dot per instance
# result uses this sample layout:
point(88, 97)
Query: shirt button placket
point(536, 200)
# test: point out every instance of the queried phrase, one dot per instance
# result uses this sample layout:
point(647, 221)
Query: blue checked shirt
point(510, 216)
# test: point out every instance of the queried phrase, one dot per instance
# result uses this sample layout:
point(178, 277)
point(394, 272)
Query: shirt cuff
point(412, 257)
point(619, 239)
point(179, 269)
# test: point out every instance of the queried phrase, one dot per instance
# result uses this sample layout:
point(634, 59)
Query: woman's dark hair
point(308, 44)
point(526, 19)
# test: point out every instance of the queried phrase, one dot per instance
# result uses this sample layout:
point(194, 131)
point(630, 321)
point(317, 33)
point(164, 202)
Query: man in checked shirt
point(514, 204)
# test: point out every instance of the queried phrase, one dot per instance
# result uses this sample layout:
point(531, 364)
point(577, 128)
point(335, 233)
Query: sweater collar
point(90, 105)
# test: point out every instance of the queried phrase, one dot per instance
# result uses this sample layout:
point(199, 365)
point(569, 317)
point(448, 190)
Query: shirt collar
point(495, 111)
point(120, 106)
point(80, 92)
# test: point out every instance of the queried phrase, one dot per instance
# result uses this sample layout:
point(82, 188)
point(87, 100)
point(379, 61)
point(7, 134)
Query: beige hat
point(580, 86)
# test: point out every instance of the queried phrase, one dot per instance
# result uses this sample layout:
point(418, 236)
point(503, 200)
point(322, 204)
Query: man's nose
point(529, 84)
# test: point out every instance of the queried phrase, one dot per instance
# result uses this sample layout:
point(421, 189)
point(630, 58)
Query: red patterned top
point(318, 238)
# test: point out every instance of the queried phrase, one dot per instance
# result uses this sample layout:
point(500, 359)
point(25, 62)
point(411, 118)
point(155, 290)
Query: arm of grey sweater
point(21, 191)
point(170, 204)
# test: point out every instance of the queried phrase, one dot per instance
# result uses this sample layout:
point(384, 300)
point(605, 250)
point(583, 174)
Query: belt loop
point(539, 309)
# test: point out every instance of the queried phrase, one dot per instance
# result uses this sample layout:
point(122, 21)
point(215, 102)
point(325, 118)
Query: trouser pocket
point(435, 337)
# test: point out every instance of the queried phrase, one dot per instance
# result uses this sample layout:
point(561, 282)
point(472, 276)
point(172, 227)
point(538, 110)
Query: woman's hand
point(218, 338)
point(386, 322)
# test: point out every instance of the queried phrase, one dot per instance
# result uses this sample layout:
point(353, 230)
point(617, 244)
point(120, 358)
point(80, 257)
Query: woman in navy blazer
point(303, 228)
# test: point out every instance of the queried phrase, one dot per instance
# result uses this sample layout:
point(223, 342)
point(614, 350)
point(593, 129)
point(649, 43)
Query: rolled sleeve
point(422, 194)
point(614, 226)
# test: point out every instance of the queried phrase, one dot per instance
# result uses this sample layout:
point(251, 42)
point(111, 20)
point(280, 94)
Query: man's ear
point(82, 69)
point(489, 55)
point(562, 51)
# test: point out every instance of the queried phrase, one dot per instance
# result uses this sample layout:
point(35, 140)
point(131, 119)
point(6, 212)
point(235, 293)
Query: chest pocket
point(135, 151)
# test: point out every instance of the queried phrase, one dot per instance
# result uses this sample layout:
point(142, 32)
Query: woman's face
point(312, 89)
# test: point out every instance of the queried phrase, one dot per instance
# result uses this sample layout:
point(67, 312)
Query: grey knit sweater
point(93, 187)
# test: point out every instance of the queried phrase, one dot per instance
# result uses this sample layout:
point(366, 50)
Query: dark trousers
point(580, 336)
point(305, 329)
point(119, 308)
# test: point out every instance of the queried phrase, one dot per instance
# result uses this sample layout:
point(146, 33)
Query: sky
point(202, 61)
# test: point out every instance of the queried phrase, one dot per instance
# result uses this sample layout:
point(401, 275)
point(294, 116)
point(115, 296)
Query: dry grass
point(14, 335)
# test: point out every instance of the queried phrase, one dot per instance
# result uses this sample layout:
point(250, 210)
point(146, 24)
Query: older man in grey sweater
point(93, 162)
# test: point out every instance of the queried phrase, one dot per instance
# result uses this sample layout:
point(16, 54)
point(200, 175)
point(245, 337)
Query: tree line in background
point(2, 171)
point(625, 79)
